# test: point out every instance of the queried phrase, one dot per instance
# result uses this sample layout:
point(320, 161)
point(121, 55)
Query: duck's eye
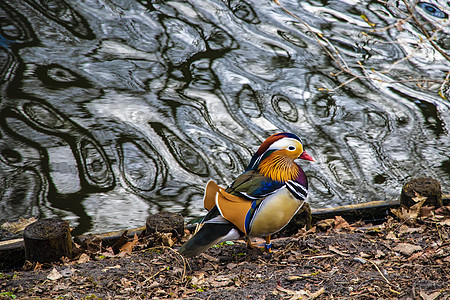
point(291, 148)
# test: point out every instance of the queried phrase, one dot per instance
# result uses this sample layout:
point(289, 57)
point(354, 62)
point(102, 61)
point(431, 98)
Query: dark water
point(114, 109)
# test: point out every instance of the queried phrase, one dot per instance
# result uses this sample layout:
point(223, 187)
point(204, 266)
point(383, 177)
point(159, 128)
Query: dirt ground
point(404, 258)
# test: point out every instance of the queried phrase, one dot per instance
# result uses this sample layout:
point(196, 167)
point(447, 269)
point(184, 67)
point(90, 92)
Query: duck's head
point(283, 145)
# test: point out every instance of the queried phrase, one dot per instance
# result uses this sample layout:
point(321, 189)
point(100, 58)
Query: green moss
point(223, 244)
point(7, 295)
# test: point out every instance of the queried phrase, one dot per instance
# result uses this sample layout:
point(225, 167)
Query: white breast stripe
point(298, 185)
point(299, 193)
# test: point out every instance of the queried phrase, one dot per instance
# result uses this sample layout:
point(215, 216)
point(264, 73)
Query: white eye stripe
point(283, 143)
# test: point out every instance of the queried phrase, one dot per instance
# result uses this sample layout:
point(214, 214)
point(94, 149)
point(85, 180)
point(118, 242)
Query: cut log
point(12, 254)
point(47, 240)
point(370, 212)
point(425, 187)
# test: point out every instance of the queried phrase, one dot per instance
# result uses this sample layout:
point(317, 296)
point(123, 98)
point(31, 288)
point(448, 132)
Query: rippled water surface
point(113, 109)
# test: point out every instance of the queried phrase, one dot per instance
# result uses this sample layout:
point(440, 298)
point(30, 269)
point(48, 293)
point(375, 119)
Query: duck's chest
point(274, 213)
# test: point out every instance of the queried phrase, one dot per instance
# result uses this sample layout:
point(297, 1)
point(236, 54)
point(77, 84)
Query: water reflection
point(114, 109)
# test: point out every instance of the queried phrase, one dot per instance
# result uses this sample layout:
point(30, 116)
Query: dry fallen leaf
point(125, 282)
point(426, 211)
point(445, 222)
point(166, 239)
point(113, 267)
point(209, 257)
point(431, 296)
point(302, 276)
point(419, 198)
point(83, 258)
point(109, 252)
point(17, 226)
point(220, 281)
point(391, 236)
point(198, 279)
point(325, 224)
point(317, 294)
point(67, 272)
point(379, 254)
point(399, 25)
point(410, 215)
point(340, 222)
point(407, 249)
point(443, 211)
point(295, 294)
point(120, 242)
point(128, 247)
point(54, 275)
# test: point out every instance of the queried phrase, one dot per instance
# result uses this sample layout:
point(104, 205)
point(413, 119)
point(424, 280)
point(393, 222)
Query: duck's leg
point(249, 243)
point(268, 245)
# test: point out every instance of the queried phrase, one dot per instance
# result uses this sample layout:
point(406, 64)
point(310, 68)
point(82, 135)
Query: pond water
point(114, 109)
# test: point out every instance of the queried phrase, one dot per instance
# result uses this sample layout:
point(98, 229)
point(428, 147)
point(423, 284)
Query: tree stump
point(422, 186)
point(47, 240)
point(165, 222)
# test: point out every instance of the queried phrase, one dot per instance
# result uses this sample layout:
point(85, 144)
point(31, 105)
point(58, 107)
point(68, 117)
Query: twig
point(185, 262)
point(342, 84)
point(400, 21)
point(424, 31)
point(379, 271)
point(151, 277)
point(344, 68)
point(399, 61)
point(316, 36)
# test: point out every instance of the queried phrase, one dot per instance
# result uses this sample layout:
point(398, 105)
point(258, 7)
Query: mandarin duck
point(260, 202)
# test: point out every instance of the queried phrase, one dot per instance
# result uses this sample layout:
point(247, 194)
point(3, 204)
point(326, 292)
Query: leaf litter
point(406, 257)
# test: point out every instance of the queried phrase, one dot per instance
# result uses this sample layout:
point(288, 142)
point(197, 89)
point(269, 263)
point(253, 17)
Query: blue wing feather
point(264, 189)
point(252, 185)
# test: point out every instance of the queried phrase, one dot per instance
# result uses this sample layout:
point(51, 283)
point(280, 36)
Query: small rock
point(359, 259)
point(364, 255)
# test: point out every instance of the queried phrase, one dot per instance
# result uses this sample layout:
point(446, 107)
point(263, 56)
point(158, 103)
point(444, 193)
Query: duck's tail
point(209, 235)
